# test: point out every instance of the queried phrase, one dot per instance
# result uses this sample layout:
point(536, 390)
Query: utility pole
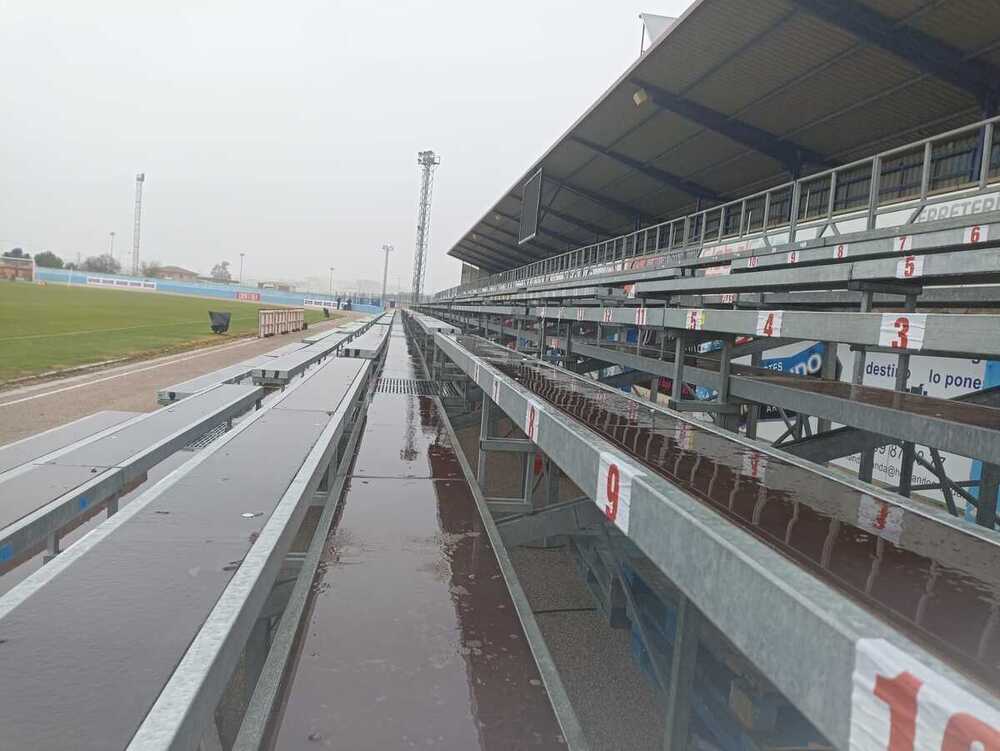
point(385, 270)
point(331, 282)
point(428, 161)
point(112, 251)
point(139, 180)
point(241, 268)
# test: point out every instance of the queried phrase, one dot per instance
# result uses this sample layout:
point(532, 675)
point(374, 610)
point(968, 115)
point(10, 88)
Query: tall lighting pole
point(385, 270)
point(428, 161)
point(139, 180)
point(112, 251)
point(241, 268)
point(331, 282)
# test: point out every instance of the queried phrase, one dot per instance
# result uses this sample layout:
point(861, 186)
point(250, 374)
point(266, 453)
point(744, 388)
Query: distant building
point(279, 286)
point(177, 274)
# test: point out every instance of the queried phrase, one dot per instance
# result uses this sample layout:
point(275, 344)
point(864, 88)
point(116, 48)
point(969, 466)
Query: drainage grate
point(206, 438)
point(408, 386)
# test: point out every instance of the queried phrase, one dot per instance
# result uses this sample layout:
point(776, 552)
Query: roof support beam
point(922, 50)
point(502, 231)
point(554, 235)
point(569, 219)
point(609, 203)
point(788, 153)
point(518, 254)
point(480, 259)
point(666, 178)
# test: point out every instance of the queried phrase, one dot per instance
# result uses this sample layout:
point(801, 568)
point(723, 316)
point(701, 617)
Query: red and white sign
point(728, 297)
point(910, 267)
point(899, 704)
point(793, 256)
point(978, 233)
point(607, 315)
point(248, 296)
point(902, 330)
point(614, 489)
point(769, 322)
point(840, 252)
point(903, 243)
point(580, 312)
point(640, 316)
point(532, 417)
point(755, 464)
point(719, 270)
point(695, 320)
point(630, 290)
point(881, 519)
point(685, 436)
point(753, 262)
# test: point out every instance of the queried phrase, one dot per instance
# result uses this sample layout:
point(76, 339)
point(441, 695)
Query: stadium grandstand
point(703, 454)
point(748, 303)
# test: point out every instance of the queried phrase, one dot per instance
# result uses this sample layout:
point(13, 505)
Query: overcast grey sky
point(287, 130)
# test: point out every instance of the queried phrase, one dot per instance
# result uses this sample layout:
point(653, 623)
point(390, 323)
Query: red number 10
point(962, 731)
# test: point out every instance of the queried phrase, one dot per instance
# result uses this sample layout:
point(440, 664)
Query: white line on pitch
point(209, 351)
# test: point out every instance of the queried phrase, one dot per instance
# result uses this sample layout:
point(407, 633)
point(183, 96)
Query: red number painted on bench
point(910, 267)
point(903, 243)
point(899, 704)
point(753, 262)
point(613, 494)
point(903, 330)
point(640, 316)
point(532, 417)
point(695, 320)
point(607, 315)
point(978, 233)
point(840, 252)
point(769, 322)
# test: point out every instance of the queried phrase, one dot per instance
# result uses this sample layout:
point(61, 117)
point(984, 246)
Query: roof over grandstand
point(740, 95)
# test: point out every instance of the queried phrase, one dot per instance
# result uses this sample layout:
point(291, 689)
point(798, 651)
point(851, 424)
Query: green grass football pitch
point(51, 327)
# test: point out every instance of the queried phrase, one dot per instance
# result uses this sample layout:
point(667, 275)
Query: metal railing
point(945, 163)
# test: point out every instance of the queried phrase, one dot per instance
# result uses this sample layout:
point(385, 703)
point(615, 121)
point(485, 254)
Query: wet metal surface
point(25, 493)
point(412, 640)
point(43, 483)
point(936, 583)
point(37, 446)
point(93, 648)
point(326, 389)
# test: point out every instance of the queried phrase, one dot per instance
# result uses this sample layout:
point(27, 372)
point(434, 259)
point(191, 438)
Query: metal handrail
point(845, 189)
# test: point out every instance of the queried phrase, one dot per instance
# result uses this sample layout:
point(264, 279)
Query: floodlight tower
point(385, 269)
point(139, 180)
point(427, 160)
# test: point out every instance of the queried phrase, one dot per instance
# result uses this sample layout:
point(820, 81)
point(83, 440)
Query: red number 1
point(769, 325)
point(900, 693)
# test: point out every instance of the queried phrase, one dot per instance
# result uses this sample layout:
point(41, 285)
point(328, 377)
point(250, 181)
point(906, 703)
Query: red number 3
point(902, 325)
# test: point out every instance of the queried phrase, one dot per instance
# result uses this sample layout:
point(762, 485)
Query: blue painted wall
point(203, 289)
